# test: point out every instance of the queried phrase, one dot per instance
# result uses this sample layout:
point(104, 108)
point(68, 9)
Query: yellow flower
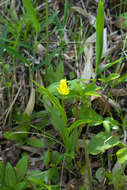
point(63, 89)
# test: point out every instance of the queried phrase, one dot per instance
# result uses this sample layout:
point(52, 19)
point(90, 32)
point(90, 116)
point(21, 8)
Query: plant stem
point(77, 111)
point(88, 164)
point(47, 44)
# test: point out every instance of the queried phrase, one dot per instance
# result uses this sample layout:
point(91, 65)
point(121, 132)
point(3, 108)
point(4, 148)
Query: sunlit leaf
point(101, 142)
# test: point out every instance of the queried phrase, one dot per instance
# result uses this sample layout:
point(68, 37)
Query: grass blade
point(32, 14)
point(99, 34)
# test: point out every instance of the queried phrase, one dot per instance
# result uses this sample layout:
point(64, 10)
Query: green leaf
point(36, 177)
point(122, 155)
point(113, 76)
point(77, 123)
point(99, 33)
point(10, 177)
point(56, 157)
point(47, 157)
point(2, 172)
point(2, 40)
point(21, 186)
point(59, 123)
point(31, 12)
point(72, 142)
point(20, 44)
point(37, 181)
point(109, 176)
point(123, 78)
point(108, 65)
point(101, 142)
point(51, 74)
point(22, 166)
point(53, 174)
point(53, 100)
point(76, 86)
point(59, 71)
point(82, 187)
point(11, 135)
point(88, 114)
point(110, 123)
point(36, 142)
point(18, 135)
point(66, 7)
point(91, 90)
point(5, 188)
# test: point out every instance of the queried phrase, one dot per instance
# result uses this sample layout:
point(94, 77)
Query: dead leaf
point(83, 12)
point(31, 103)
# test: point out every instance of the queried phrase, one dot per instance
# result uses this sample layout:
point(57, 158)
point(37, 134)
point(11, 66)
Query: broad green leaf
point(91, 89)
point(101, 142)
point(36, 142)
point(10, 177)
point(32, 14)
point(76, 86)
point(22, 166)
point(122, 155)
point(99, 33)
point(88, 114)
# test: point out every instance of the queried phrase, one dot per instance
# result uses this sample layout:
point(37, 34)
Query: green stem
point(47, 44)
point(77, 110)
point(119, 66)
point(88, 164)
